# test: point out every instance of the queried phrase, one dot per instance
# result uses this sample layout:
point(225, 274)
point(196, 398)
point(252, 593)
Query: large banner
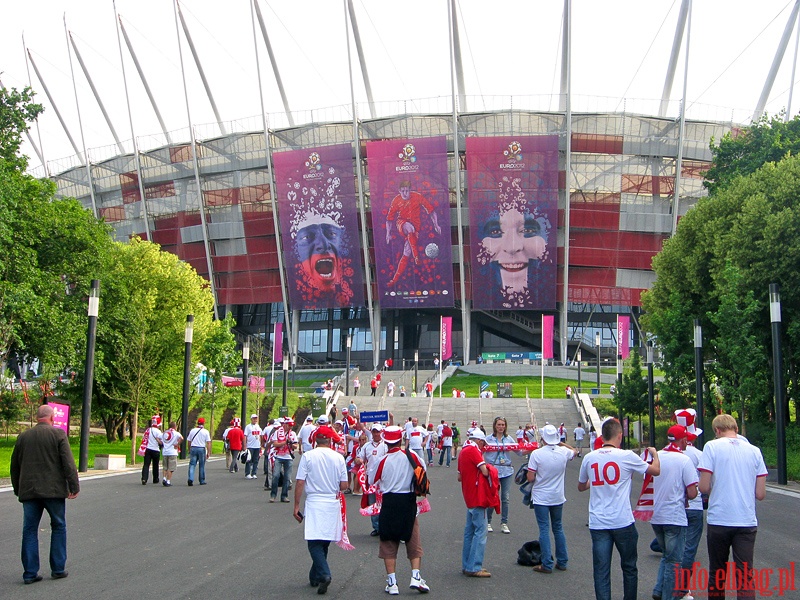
point(623, 336)
point(409, 194)
point(316, 196)
point(513, 212)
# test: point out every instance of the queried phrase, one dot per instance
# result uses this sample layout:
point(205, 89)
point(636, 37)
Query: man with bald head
point(43, 475)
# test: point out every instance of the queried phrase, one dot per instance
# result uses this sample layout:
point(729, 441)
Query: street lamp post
point(284, 411)
point(88, 377)
point(651, 401)
point(245, 376)
point(579, 370)
point(187, 366)
point(347, 383)
point(698, 369)
point(777, 367)
point(597, 343)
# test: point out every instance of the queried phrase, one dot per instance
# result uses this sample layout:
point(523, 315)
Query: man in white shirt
point(611, 521)
point(305, 433)
point(676, 483)
point(579, 433)
point(546, 469)
point(694, 512)
point(322, 475)
point(252, 434)
point(169, 453)
point(282, 442)
point(370, 455)
point(199, 448)
point(152, 453)
point(447, 444)
point(416, 438)
point(733, 473)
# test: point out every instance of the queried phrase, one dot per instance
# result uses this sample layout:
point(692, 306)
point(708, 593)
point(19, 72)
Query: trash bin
point(595, 391)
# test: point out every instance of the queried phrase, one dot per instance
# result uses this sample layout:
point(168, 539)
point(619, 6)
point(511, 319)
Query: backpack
point(420, 483)
point(530, 554)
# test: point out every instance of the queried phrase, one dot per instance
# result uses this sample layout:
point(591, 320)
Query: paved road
point(224, 540)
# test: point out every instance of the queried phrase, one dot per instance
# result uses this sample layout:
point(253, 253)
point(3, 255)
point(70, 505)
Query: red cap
point(676, 432)
point(201, 421)
point(327, 432)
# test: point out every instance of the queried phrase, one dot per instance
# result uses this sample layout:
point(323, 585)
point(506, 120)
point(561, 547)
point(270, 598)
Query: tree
point(631, 395)
point(219, 356)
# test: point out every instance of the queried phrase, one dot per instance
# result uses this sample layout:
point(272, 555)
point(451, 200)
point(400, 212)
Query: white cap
point(322, 420)
point(254, 416)
point(309, 418)
point(477, 434)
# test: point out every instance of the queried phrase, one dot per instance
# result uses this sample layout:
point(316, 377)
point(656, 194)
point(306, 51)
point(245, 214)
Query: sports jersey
point(694, 455)
point(153, 439)
point(236, 438)
point(734, 465)
point(669, 488)
point(328, 467)
point(609, 471)
point(253, 434)
point(550, 464)
point(470, 460)
point(371, 453)
point(280, 435)
point(171, 439)
point(408, 211)
point(416, 437)
point(447, 437)
point(394, 472)
point(305, 433)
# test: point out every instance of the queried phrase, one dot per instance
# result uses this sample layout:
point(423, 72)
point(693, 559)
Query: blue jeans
point(474, 540)
point(251, 466)
point(547, 517)
point(693, 534)
point(430, 456)
point(318, 549)
point(197, 456)
point(505, 488)
point(672, 539)
point(445, 450)
point(32, 515)
point(286, 467)
point(603, 542)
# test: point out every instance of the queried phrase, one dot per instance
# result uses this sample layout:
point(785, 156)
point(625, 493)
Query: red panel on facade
point(592, 277)
point(261, 245)
point(165, 237)
point(258, 223)
point(647, 184)
point(597, 143)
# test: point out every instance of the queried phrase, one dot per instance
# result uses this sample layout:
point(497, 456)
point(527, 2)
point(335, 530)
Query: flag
point(547, 336)
point(277, 347)
point(446, 345)
point(623, 335)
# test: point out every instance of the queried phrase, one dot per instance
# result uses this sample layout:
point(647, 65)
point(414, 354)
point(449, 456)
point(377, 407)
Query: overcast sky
point(620, 54)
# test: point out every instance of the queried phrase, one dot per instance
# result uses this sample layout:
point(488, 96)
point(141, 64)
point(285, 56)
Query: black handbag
point(530, 554)
point(522, 475)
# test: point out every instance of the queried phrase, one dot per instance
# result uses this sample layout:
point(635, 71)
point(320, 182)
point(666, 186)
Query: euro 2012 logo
point(514, 151)
point(312, 164)
point(408, 155)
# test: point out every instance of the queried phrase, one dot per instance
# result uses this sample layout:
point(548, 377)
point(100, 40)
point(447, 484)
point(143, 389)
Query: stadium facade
point(600, 225)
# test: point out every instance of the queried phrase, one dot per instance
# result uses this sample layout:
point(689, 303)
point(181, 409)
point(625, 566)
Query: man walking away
point(611, 521)
point(236, 443)
point(733, 473)
point(253, 435)
point(199, 448)
point(169, 454)
point(322, 475)
point(43, 474)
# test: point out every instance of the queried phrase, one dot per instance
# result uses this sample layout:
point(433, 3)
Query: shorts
point(388, 549)
point(169, 463)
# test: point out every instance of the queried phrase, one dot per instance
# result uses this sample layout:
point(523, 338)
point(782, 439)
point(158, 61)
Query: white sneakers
point(504, 528)
point(489, 528)
point(418, 583)
point(392, 590)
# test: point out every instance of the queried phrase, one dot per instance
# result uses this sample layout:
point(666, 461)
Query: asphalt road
point(224, 540)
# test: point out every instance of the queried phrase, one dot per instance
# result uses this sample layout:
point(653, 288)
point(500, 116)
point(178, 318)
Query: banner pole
point(441, 354)
point(542, 361)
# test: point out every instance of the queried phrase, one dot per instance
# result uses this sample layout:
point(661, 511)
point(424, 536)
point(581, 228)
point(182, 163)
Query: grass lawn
point(97, 445)
point(553, 387)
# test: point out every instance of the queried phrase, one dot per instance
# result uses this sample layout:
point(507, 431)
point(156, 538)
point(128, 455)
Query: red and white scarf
point(344, 542)
point(644, 507)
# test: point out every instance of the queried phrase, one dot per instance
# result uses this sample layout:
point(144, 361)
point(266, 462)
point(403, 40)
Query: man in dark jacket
point(43, 474)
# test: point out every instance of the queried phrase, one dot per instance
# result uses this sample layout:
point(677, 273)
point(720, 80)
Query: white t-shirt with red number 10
point(609, 472)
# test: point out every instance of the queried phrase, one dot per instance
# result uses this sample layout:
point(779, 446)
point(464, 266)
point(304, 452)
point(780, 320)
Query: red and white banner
point(277, 346)
point(547, 336)
point(446, 342)
point(623, 336)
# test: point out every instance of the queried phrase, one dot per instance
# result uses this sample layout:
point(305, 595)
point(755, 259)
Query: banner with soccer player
point(318, 216)
point(513, 213)
point(409, 195)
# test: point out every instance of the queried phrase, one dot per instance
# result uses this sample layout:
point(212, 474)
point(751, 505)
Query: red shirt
point(469, 460)
point(236, 438)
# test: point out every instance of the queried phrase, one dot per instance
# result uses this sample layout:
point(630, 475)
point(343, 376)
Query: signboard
point(494, 356)
point(511, 355)
point(484, 386)
point(374, 416)
point(504, 390)
point(60, 415)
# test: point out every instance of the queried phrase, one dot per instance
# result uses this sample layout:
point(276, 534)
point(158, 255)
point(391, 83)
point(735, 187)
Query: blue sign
point(374, 416)
point(484, 385)
point(513, 355)
point(536, 355)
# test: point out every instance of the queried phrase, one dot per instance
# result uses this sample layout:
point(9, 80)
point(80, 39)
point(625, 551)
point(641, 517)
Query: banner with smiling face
point(513, 211)
point(318, 216)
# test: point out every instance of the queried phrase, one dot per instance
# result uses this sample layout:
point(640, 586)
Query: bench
point(109, 462)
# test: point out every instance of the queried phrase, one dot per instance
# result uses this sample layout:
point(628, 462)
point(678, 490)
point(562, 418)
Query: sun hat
point(550, 435)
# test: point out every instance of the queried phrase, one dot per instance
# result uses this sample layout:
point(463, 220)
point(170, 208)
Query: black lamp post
point(245, 376)
point(88, 380)
point(777, 369)
point(698, 368)
point(597, 343)
point(651, 401)
point(187, 366)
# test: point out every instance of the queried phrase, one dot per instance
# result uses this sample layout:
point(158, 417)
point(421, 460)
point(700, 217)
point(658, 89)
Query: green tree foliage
point(718, 267)
point(50, 250)
point(631, 395)
point(145, 297)
point(743, 152)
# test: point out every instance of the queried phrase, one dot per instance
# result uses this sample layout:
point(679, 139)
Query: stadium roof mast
point(462, 95)
point(677, 41)
point(776, 62)
point(144, 82)
point(362, 61)
point(200, 70)
point(95, 93)
point(274, 63)
point(566, 99)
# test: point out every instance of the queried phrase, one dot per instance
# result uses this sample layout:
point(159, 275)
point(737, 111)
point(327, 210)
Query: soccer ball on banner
point(431, 250)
